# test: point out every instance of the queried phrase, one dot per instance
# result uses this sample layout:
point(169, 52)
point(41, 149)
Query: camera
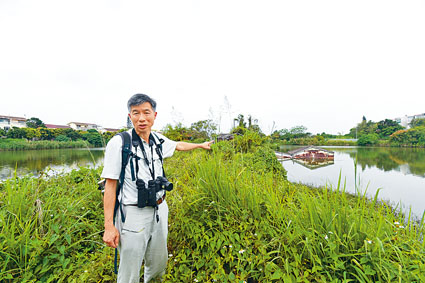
point(146, 196)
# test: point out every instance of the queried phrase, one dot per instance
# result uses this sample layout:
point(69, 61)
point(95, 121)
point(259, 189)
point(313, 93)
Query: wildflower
point(396, 223)
point(401, 227)
point(224, 247)
point(326, 237)
point(330, 232)
point(85, 270)
point(175, 260)
point(241, 251)
point(255, 234)
point(206, 210)
point(51, 215)
point(170, 255)
point(230, 246)
point(369, 241)
point(195, 280)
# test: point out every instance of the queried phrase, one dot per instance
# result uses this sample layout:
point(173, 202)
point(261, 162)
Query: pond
point(51, 160)
point(398, 173)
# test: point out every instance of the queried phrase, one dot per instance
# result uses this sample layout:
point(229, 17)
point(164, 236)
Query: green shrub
point(368, 139)
point(62, 138)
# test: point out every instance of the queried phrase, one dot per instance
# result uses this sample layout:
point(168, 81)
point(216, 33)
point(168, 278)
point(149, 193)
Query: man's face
point(143, 117)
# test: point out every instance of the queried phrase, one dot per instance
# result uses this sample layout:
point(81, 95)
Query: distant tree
point(386, 127)
point(2, 133)
point(204, 129)
point(62, 138)
point(72, 134)
point(241, 125)
point(240, 121)
point(363, 128)
point(368, 139)
point(32, 134)
point(177, 133)
point(16, 133)
point(107, 136)
point(93, 137)
point(417, 122)
point(35, 123)
point(46, 134)
point(299, 132)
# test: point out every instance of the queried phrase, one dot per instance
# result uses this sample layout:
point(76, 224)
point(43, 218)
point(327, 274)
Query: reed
point(23, 144)
point(233, 218)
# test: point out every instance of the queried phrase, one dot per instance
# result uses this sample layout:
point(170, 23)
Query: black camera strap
point(137, 141)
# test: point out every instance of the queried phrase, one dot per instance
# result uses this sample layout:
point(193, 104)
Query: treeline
point(198, 131)
point(92, 137)
point(368, 133)
point(389, 133)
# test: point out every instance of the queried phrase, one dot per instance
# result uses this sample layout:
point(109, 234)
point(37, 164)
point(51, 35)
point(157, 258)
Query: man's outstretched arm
point(184, 146)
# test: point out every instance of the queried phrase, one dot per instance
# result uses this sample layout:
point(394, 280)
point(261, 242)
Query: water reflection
point(314, 163)
point(35, 161)
point(398, 172)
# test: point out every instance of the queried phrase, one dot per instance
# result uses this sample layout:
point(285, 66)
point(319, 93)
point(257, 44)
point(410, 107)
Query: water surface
point(53, 160)
point(399, 173)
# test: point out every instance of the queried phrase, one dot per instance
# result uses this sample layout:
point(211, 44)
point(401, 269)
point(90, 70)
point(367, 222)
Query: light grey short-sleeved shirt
point(112, 164)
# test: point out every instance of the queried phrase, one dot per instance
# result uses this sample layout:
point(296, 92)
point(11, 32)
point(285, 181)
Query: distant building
point(7, 122)
point(51, 126)
point(83, 126)
point(405, 120)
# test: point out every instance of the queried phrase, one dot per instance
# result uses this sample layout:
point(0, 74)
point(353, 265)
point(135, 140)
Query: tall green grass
point(50, 227)
point(233, 218)
point(23, 144)
point(232, 222)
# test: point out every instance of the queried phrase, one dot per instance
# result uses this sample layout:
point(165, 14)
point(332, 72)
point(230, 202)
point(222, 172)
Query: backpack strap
point(126, 155)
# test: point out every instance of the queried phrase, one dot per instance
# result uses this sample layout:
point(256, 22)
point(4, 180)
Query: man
point(143, 234)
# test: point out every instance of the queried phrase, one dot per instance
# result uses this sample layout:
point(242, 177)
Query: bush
point(62, 138)
point(369, 139)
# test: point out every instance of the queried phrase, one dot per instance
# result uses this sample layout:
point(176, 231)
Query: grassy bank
point(233, 218)
point(23, 144)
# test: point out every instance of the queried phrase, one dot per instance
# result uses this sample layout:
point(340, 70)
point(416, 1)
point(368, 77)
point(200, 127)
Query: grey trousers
point(142, 238)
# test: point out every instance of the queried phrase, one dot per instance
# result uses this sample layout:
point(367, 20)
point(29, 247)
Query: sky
point(320, 64)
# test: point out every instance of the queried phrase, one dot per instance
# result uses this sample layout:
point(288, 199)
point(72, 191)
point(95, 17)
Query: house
point(405, 121)
point(51, 126)
point(311, 152)
point(83, 126)
point(7, 122)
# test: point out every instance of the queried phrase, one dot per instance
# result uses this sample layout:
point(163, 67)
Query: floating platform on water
point(307, 152)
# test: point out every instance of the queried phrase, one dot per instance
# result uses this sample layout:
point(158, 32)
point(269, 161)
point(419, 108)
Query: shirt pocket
point(138, 219)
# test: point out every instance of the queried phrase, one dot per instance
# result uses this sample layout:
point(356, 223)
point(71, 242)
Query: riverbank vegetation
point(366, 133)
point(23, 144)
point(233, 218)
point(44, 138)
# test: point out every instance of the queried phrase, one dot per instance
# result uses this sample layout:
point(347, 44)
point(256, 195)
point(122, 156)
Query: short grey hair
point(138, 99)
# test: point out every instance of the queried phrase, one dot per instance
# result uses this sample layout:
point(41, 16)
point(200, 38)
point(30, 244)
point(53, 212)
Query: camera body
point(146, 195)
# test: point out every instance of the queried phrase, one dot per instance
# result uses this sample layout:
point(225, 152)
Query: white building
point(7, 122)
point(405, 120)
point(83, 126)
